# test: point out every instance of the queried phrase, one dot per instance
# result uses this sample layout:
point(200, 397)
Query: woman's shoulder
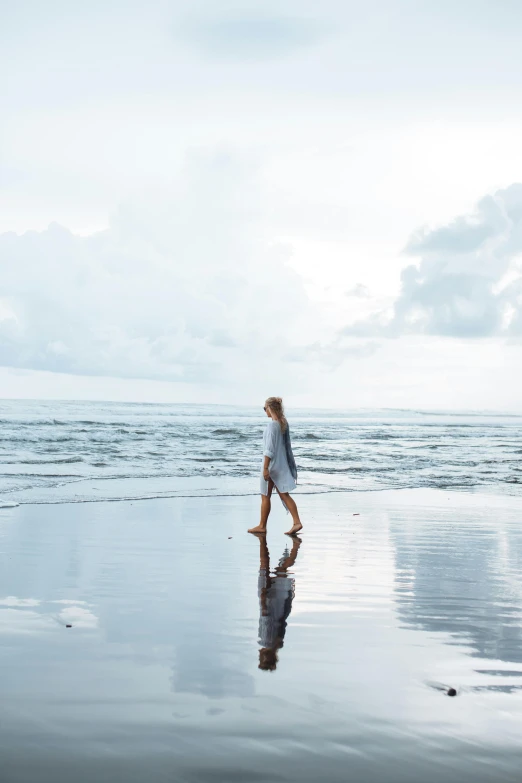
point(274, 425)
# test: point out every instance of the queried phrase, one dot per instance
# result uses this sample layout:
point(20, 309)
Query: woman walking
point(279, 469)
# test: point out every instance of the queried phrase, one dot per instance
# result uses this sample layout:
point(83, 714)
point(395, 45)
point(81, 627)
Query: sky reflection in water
point(174, 609)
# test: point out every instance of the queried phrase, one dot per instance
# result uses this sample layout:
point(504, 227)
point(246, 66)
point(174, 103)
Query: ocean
point(159, 641)
point(54, 452)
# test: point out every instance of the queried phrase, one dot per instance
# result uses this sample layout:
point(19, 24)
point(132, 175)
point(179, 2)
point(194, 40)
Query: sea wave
point(230, 431)
point(99, 441)
point(62, 461)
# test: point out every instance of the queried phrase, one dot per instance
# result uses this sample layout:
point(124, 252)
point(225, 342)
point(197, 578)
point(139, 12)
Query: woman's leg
point(265, 510)
point(291, 506)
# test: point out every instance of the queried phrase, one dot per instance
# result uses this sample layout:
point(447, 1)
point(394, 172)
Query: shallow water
point(158, 678)
point(87, 451)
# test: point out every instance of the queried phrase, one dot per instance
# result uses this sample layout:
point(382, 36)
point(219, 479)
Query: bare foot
point(294, 529)
point(259, 529)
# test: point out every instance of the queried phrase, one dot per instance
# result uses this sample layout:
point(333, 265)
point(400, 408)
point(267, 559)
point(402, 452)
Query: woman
point(279, 468)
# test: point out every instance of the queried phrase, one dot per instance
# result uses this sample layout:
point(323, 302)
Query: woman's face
point(267, 411)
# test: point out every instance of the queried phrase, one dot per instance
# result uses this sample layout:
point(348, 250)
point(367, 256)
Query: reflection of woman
point(279, 469)
point(276, 594)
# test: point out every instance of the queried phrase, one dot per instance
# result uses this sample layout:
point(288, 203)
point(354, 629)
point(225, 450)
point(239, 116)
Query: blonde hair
point(276, 407)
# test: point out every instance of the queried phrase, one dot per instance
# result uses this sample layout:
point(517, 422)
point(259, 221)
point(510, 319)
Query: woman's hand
point(266, 474)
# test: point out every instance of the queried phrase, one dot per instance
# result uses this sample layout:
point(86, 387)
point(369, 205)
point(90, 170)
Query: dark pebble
point(68, 626)
point(451, 692)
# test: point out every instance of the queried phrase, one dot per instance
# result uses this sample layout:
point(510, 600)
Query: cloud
point(359, 291)
point(332, 353)
point(185, 287)
point(250, 36)
point(468, 282)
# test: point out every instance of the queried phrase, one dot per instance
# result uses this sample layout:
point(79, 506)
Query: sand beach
point(396, 596)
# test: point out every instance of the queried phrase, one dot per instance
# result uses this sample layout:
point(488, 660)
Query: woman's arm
point(269, 448)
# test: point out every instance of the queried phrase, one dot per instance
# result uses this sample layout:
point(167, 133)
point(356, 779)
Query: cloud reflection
point(29, 615)
point(462, 580)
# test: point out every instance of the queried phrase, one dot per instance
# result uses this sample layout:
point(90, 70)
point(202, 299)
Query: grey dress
point(282, 468)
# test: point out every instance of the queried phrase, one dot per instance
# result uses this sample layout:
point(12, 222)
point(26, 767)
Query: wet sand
point(390, 597)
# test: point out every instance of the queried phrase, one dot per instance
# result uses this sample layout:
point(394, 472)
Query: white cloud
point(359, 291)
point(333, 353)
point(178, 289)
point(468, 282)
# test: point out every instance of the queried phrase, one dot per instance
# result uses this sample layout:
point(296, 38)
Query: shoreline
point(210, 491)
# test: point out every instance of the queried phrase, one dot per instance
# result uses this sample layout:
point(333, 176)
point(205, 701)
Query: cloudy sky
point(216, 201)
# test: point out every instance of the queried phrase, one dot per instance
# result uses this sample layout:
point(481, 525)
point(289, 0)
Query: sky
point(219, 201)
